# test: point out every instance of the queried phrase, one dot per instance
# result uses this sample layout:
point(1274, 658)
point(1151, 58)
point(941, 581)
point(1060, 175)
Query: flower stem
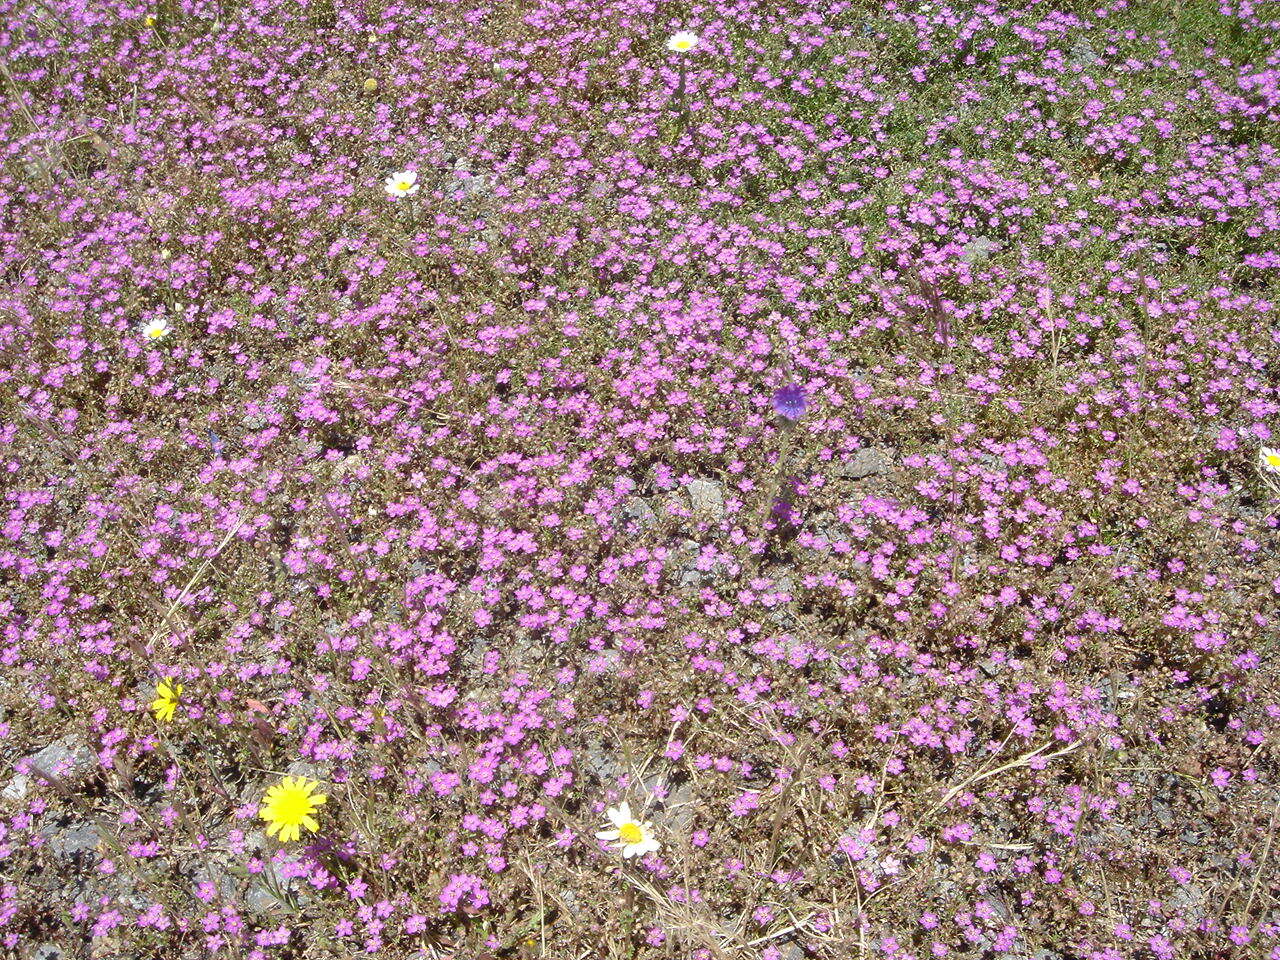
point(779, 473)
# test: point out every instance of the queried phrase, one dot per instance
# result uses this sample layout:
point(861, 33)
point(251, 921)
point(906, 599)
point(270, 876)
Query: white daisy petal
point(682, 42)
point(401, 184)
point(630, 837)
point(156, 329)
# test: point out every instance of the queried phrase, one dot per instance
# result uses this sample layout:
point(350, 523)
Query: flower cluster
point(538, 481)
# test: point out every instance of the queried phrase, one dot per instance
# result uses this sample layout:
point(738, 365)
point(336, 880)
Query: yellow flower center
point(1272, 460)
point(290, 805)
point(630, 833)
point(683, 44)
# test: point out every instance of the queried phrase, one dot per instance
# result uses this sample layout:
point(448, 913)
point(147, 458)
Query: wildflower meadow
point(639, 480)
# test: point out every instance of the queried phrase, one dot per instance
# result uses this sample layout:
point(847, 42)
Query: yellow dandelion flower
point(166, 701)
point(289, 805)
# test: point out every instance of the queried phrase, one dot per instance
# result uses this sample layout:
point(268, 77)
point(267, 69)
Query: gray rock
point(636, 510)
point(68, 759)
point(47, 951)
point(601, 762)
point(1190, 898)
point(826, 527)
point(346, 465)
point(978, 249)
point(17, 789)
point(1083, 54)
point(677, 808)
point(73, 841)
point(569, 901)
point(106, 948)
point(867, 462)
point(215, 874)
point(706, 497)
point(40, 167)
point(260, 899)
point(265, 890)
point(302, 768)
point(993, 463)
point(784, 614)
point(610, 769)
point(473, 184)
point(476, 649)
point(685, 565)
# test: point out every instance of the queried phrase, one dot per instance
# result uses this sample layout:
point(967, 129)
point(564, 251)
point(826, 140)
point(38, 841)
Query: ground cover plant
point(631, 479)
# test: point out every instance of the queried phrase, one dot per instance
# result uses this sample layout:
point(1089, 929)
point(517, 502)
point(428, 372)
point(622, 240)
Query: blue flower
point(789, 402)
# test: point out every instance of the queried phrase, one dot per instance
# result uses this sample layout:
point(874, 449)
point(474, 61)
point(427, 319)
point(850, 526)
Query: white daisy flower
point(402, 184)
point(633, 837)
point(1270, 459)
point(682, 42)
point(156, 329)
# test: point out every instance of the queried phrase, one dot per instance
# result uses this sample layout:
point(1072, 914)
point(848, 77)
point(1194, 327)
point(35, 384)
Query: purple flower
point(789, 402)
point(783, 511)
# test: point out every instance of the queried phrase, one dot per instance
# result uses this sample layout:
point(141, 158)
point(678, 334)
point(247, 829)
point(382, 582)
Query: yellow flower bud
point(370, 85)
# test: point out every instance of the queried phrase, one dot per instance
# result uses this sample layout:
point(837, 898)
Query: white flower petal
point(682, 42)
